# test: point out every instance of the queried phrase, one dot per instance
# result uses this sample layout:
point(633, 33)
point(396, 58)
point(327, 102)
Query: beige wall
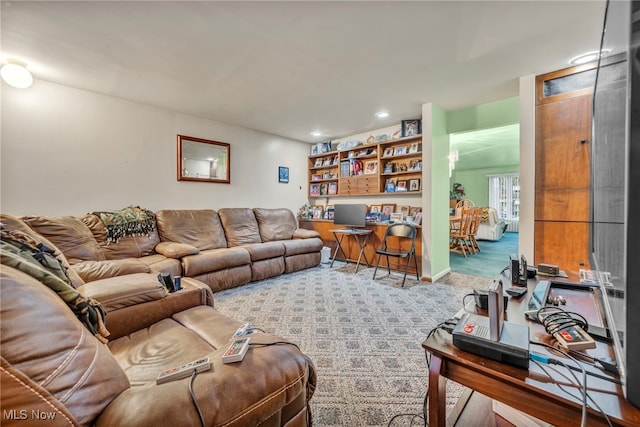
point(67, 151)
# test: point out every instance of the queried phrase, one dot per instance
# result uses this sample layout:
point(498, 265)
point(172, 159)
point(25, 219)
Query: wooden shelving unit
point(361, 170)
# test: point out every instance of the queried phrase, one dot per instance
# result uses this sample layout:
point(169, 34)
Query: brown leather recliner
point(53, 367)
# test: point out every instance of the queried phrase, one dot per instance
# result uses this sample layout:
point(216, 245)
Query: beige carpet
point(364, 336)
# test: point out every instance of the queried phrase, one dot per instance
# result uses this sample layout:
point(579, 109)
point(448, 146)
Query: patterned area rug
point(364, 336)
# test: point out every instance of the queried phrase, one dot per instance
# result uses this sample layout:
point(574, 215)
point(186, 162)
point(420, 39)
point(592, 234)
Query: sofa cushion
point(275, 224)
point(124, 291)
point(54, 350)
point(240, 226)
point(69, 234)
point(125, 247)
point(214, 260)
point(302, 246)
point(199, 228)
point(11, 223)
point(176, 250)
point(260, 251)
point(161, 264)
point(303, 233)
point(96, 270)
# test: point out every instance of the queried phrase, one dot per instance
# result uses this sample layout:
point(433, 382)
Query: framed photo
point(388, 152)
point(399, 150)
point(328, 212)
point(396, 217)
point(375, 209)
point(387, 210)
point(390, 185)
point(318, 163)
point(314, 190)
point(414, 184)
point(326, 175)
point(371, 167)
point(283, 174)
point(324, 189)
point(402, 186)
point(414, 210)
point(388, 167)
point(316, 177)
point(403, 209)
point(415, 147)
point(317, 212)
point(418, 218)
point(411, 127)
point(333, 188)
point(314, 150)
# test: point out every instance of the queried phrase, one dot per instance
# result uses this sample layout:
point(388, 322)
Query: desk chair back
point(406, 233)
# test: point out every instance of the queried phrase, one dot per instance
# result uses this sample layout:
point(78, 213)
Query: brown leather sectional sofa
point(52, 366)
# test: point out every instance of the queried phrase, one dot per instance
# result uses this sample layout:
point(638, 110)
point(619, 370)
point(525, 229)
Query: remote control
point(574, 338)
point(183, 371)
point(516, 292)
point(236, 351)
point(242, 331)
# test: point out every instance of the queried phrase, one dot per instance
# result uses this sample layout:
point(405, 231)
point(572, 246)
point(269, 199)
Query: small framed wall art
point(411, 127)
point(283, 174)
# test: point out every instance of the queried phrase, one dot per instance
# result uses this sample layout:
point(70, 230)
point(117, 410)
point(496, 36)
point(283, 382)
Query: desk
point(339, 235)
point(529, 390)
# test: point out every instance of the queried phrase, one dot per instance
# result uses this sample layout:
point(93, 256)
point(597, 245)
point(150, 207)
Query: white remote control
point(236, 351)
point(242, 331)
point(183, 371)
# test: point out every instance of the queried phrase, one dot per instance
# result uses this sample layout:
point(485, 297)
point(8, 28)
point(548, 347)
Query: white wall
point(67, 151)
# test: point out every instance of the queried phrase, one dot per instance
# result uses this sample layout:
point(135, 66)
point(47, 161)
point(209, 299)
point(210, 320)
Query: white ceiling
point(288, 68)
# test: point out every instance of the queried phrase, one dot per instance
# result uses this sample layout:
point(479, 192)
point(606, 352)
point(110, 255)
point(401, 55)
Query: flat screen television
point(350, 215)
point(615, 186)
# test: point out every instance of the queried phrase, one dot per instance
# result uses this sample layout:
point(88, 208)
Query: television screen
point(613, 259)
point(351, 215)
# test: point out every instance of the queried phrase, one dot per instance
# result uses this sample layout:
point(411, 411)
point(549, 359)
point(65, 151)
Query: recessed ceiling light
point(15, 73)
point(381, 114)
point(588, 57)
point(316, 133)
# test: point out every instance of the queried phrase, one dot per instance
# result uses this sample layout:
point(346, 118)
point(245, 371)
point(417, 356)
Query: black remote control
point(516, 292)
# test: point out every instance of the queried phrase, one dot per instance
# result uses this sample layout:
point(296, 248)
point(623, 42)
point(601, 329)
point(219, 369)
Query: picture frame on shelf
point(415, 148)
point(411, 127)
point(344, 168)
point(387, 210)
point(390, 185)
point(389, 167)
point(414, 184)
point(376, 209)
point(283, 174)
point(396, 217)
point(328, 212)
point(401, 186)
point(370, 167)
point(388, 152)
point(314, 150)
point(317, 211)
point(318, 163)
point(324, 189)
point(327, 161)
point(417, 219)
point(414, 210)
point(316, 177)
point(403, 209)
point(333, 188)
point(314, 190)
point(400, 150)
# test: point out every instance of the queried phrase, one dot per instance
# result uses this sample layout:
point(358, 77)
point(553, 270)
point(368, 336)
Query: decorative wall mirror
point(203, 160)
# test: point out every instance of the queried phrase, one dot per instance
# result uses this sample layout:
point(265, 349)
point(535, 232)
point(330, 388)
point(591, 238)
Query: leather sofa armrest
point(91, 271)
point(126, 320)
point(124, 291)
point(176, 250)
point(301, 233)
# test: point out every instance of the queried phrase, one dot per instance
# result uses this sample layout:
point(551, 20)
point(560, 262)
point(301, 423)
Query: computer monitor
point(350, 215)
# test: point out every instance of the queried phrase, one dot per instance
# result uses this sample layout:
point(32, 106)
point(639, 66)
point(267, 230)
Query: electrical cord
point(555, 319)
point(540, 359)
point(193, 397)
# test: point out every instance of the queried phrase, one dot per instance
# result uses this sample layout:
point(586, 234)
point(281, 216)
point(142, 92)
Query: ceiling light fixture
point(382, 114)
point(316, 133)
point(588, 57)
point(15, 73)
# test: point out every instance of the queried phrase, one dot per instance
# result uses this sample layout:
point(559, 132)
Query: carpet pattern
point(489, 262)
point(364, 336)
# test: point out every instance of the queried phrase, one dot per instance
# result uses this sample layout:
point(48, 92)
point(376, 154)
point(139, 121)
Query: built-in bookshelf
point(386, 167)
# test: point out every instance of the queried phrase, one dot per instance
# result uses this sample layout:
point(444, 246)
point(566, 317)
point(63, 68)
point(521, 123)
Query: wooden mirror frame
point(194, 153)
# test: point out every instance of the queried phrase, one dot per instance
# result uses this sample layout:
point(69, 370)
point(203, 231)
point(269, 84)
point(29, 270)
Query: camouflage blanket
point(19, 251)
point(130, 221)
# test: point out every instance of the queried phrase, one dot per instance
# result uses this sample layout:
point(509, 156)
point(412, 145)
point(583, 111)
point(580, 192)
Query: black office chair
point(403, 232)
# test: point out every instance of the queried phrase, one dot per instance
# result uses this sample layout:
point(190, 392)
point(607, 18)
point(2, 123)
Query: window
point(504, 195)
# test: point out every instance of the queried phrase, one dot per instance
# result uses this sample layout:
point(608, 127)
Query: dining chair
point(459, 232)
point(473, 229)
point(405, 233)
